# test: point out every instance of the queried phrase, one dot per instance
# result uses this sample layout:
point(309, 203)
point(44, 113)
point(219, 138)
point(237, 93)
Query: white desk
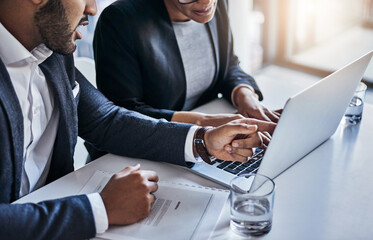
point(327, 195)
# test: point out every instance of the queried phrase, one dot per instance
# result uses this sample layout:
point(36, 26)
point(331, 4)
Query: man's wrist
point(99, 212)
point(190, 156)
point(199, 145)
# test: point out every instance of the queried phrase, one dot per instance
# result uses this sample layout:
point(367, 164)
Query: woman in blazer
point(163, 58)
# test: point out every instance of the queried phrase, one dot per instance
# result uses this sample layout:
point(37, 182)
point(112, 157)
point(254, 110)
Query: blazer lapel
point(212, 26)
point(9, 100)
point(172, 50)
point(62, 161)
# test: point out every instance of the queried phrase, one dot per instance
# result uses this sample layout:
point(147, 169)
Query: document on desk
point(179, 212)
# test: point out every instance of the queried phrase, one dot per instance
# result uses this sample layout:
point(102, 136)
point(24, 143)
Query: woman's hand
point(248, 105)
point(202, 119)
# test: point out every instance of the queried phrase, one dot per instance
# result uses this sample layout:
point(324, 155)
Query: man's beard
point(54, 27)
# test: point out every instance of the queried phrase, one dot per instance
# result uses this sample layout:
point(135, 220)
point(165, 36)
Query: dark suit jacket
point(138, 62)
point(95, 119)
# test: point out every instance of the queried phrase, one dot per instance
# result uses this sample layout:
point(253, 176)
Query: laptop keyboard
point(237, 168)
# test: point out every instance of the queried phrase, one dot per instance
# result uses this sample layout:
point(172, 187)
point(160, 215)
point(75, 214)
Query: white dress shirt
point(40, 118)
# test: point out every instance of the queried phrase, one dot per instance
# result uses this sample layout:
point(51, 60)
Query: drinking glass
point(252, 197)
point(354, 111)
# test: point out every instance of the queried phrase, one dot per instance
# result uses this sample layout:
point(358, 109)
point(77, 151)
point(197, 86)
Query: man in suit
point(45, 103)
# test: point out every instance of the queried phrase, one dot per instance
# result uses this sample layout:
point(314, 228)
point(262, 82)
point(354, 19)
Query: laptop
point(308, 119)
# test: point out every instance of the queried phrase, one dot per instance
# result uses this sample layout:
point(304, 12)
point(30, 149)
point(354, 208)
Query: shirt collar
point(41, 53)
point(12, 51)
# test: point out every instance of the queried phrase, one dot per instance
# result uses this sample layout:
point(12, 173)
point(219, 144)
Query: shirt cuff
point(238, 87)
point(99, 212)
point(188, 150)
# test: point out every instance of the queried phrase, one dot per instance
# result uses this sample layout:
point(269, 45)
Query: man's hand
point(128, 195)
point(235, 141)
point(249, 106)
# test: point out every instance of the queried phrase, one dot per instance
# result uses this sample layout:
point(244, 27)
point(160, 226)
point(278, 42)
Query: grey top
point(198, 59)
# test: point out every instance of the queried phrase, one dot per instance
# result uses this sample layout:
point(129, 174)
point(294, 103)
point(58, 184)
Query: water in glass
point(354, 111)
point(251, 217)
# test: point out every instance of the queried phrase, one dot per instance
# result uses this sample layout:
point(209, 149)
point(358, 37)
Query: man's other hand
point(128, 195)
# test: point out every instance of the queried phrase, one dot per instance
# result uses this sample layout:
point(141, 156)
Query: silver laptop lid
point(311, 117)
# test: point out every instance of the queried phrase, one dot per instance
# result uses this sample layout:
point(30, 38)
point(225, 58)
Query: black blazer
point(96, 120)
point(138, 62)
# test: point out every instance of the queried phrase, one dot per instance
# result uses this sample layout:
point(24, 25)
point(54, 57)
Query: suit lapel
point(62, 162)
point(9, 100)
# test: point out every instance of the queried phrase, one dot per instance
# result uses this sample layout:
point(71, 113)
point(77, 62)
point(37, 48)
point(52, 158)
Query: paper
point(179, 212)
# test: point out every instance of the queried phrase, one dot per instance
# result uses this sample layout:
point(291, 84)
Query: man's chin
point(65, 50)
